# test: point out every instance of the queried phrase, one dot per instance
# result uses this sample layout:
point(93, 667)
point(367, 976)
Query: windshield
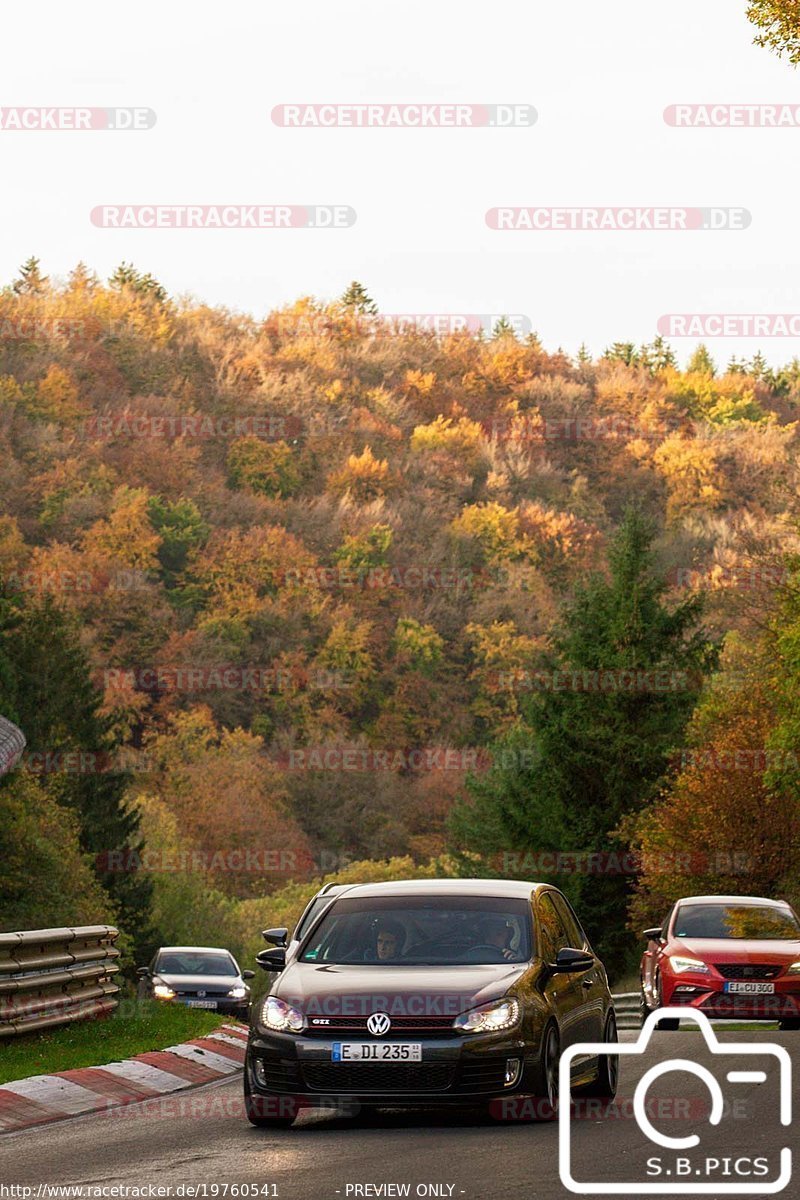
point(192, 962)
point(730, 921)
point(405, 931)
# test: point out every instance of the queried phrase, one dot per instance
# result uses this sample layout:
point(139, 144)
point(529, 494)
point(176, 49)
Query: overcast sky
point(599, 76)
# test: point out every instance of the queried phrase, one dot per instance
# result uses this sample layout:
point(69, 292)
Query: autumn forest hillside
point(297, 587)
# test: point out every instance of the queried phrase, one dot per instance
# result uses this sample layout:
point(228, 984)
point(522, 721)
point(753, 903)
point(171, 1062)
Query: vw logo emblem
point(379, 1024)
point(201, 993)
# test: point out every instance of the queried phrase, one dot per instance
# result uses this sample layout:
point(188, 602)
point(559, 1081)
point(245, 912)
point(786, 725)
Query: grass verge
point(131, 1029)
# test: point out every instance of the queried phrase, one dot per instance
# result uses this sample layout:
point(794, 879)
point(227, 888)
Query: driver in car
point(495, 931)
point(389, 939)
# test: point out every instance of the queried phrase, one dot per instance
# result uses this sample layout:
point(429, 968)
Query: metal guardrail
point(626, 1006)
point(52, 976)
point(12, 743)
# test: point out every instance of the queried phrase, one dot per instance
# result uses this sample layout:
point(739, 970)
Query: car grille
point(377, 1077)
point(419, 1027)
point(483, 1075)
point(748, 970)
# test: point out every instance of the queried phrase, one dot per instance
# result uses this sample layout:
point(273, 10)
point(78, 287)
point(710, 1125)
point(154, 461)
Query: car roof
point(496, 888)
point(733, 900)
point(195, 950)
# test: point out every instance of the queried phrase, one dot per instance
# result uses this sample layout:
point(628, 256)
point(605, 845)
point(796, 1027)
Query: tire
point(644, 1007)
point(668, 1024)
point(608, 1076)
point(546, 1102)
point(789, 1024)
point(268, 1111)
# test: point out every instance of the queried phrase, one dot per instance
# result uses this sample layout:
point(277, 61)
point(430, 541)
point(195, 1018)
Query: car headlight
point(277, 1014)
point(238, 993)
point(500, 1014)
point(794, 969)
point(162, 992)
point(679, 965)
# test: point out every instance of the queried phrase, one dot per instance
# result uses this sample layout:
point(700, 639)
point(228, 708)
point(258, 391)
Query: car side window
point(577, 938)
point(665, 926)
point(553, 934)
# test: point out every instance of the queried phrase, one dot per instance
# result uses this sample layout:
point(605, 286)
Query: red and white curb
point(45, 1098)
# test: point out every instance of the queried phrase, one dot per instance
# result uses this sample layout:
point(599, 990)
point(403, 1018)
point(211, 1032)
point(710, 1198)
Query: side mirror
point(278, 937)
point(248, 974)
point(272, 960)
point(142, 972)
point(570, 962)
point(652, 935)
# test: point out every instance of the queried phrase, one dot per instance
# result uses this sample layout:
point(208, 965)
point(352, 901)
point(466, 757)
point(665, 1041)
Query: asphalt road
point(202, 1137)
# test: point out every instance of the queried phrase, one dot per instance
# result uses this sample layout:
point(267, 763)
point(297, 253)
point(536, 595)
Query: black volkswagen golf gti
point(429, 992)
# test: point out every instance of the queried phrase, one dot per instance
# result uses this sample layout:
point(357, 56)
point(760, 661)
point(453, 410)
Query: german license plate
point(376, 1052)
point(750, 989)
point(202, 1003)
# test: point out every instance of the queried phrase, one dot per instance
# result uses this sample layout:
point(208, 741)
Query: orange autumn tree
point(718, 828)
point(229, 803)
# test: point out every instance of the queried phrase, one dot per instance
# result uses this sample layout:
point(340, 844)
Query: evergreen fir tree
point(126, 277)
point(602, 745)
point(58, 709)
point(355, 298)
point(31, 282)
point(701, 362)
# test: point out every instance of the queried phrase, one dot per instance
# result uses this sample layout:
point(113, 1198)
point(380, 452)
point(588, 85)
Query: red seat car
point(731, 957)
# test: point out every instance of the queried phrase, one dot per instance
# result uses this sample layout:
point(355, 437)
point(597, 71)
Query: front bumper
point(453, 1070)
point(709, 997)
point(224, 1005)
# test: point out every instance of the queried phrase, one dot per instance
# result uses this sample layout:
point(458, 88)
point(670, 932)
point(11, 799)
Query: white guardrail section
point(12, 743)
point(626, 1005)
point(52, 976)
